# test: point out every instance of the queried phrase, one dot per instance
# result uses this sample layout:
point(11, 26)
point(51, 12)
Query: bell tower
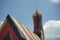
point(38, 28)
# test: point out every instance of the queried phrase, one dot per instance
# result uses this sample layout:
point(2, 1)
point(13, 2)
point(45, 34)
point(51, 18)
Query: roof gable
point(16, 30)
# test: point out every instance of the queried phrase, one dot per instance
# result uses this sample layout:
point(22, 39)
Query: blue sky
point(23, 10)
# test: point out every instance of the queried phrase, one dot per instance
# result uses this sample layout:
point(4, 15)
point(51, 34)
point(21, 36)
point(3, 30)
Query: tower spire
point(36, 5)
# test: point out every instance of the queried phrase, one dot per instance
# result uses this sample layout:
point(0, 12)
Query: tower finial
point(36, 4)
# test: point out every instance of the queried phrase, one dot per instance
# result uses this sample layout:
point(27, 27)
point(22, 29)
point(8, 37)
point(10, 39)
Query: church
point(11, 29)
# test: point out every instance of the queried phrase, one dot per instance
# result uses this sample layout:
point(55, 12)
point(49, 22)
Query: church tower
point(38, 28)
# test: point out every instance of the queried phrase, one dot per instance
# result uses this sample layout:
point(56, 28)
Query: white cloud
point(52, 28)
point(55, 1)
point(1, 23)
